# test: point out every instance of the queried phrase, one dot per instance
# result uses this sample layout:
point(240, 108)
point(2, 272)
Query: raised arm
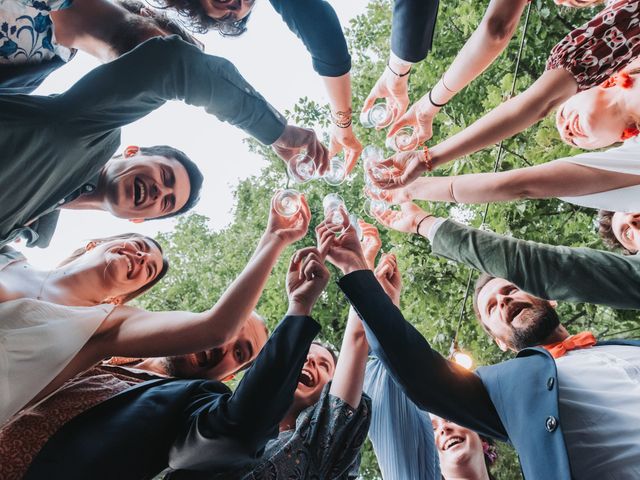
point(429, 380)
point(511, 117)
point(135, 332)
point(164, 68)
point(560, 178)
point(223, 434)
point(485, 44)
point(546, 271)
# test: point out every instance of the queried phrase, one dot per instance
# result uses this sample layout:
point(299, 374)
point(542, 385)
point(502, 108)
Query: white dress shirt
point(599, 404)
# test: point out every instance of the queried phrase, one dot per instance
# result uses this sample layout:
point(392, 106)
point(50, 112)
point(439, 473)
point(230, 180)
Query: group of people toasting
point(91, 387)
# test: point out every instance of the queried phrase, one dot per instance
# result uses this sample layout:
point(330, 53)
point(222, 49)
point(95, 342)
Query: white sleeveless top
point(37, 341)
point(623, 159)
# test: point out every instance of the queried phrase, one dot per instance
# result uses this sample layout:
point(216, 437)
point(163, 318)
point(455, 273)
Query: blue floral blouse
point(26, 31)
point(325, 444)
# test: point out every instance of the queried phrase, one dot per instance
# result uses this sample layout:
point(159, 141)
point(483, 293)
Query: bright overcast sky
point(270, 57)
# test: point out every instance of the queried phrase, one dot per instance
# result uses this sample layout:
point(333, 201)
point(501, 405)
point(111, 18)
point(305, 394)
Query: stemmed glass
point(403, 140)
point(287, 202)
point(378, 116)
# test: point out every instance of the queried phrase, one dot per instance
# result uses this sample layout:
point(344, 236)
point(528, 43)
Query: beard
point(541, 319)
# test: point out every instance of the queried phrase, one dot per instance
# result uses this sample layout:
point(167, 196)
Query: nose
point(311, 360)
point(634, 220)
point(142, 257)
point(157, 191)
point(444, 428)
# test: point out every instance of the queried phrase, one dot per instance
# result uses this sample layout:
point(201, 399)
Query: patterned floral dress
point(602, 46)
point(26, 31)
point(325, 444)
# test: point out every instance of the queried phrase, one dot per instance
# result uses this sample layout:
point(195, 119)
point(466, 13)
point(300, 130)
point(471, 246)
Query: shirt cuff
point(434, 228)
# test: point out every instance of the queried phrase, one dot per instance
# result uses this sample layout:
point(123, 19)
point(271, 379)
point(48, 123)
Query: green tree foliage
point(203, 262)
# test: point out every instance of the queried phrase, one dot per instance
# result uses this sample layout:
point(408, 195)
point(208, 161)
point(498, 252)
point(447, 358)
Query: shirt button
point(550, 383)
point(551, 424)
point(247, 89)
point(61, 202)
point(88, 188)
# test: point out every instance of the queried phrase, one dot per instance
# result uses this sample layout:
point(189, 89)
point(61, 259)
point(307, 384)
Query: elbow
point(499, 30)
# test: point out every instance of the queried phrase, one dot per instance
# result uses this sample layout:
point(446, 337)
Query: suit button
point(551, 423)
point(550, 383)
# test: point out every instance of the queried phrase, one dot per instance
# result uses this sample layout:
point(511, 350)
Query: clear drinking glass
point(372, 154)
point(334, 213)
point(377, 116)
point(302, 168)
point(403, 140)
point(373, 207)
point(337, 172)
point(353, 220)
point(288, 202)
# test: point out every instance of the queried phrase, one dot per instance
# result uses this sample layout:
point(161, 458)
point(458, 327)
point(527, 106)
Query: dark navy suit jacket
point(514, 401)
point(187, 424)
point(413, 27)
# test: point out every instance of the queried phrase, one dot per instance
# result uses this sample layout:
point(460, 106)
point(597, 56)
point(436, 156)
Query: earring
point(131, 151)
point(629, 133)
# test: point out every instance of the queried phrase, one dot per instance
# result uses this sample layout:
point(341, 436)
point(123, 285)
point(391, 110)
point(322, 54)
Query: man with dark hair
point(546, 271)
point(54, 147)
point(568, 404)
point(143, 183)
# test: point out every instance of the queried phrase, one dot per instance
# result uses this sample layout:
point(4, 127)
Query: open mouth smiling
point(306, 378)
point(452, 442)
point(139, 192)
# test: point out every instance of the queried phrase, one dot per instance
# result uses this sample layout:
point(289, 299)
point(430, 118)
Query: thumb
point(404, 120)
point(369, 101)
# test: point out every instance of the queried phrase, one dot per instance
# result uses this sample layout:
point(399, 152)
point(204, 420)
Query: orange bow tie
point(580, 340)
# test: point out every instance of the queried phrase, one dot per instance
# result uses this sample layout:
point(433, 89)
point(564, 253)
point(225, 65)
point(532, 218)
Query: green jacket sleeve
point(164, 68)
point(555, 273)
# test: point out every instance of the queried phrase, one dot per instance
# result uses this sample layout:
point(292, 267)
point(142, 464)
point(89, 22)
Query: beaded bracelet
point(427, 159)
point(342, 119)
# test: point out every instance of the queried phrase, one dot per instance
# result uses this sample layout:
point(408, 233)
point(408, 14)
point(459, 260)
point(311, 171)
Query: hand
point(296, 139)
point(394, 89)
point(344, 138)
point(370, 242)
point(388, 275)
point(394, 197)
point(404, 220)
point(289, 229)
point(407, 166)
point(420, 116)
point(306, 279)
point(345, 251)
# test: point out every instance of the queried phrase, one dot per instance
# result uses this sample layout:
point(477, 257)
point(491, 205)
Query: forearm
point(349, 375)
point(164, 69)
point(547, 271)
point(136, 332)
point(438, 385)
point(315, 22)
point(485, 44)
point(509, 118)
point(250, 417)
point(339, 92)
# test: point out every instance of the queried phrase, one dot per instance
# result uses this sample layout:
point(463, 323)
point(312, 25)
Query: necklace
point(44, 282)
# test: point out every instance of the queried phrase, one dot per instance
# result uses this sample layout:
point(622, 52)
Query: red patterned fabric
point(602, 46)
point(25, 435)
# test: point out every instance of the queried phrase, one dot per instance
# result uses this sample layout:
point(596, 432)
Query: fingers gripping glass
point(302, 168)
point(378, 116)
point(403, 140)
point(335, 213)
